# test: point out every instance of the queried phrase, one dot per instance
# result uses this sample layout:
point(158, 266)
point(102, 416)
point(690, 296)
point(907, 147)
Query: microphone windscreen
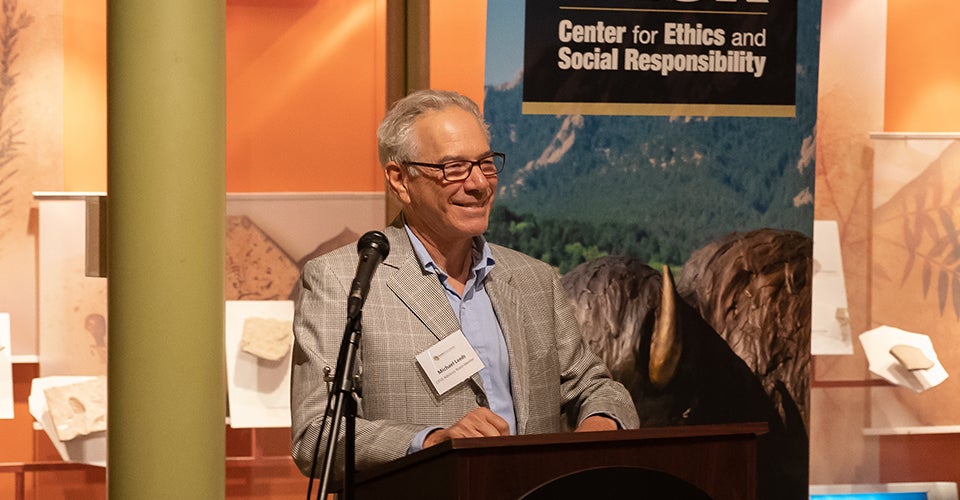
point(375, 240)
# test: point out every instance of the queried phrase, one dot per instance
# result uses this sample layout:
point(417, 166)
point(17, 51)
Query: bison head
point(676, 367)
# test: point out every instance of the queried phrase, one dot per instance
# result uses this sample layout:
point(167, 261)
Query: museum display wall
point(889, 94)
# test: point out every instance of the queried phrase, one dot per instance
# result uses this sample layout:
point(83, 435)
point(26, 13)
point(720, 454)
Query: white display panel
point(258, 390)
point(830, 325)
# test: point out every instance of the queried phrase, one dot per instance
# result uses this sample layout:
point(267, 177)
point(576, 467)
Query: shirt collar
point(482, 257)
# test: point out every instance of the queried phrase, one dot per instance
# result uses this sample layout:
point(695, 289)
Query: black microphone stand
point(345, 405)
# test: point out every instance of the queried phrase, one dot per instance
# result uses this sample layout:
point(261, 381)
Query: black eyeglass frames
point(458, 170)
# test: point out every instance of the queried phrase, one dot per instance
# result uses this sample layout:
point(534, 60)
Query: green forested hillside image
point(578, 187)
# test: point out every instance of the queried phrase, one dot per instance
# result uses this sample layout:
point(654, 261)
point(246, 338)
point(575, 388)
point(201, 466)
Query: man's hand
point(478, 423)
point(597, 423)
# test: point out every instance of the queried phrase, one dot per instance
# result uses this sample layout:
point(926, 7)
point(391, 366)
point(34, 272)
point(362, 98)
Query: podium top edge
point(644, 433)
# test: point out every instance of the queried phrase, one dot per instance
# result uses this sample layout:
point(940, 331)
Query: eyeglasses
point(458, 170)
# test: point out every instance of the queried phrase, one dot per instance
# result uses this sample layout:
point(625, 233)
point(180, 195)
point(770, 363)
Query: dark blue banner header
point(661, 57)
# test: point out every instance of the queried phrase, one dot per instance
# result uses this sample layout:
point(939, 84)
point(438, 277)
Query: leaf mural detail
point(928, 224)
point(956, 293)
point(947, 222)
point(943, 283)
point(908, 239)
point(953, 255)
point(938, 248)
point(926, 211)
point(13, 23)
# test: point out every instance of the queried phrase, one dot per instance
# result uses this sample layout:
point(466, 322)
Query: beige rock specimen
point(267, 338)
point(78, 409)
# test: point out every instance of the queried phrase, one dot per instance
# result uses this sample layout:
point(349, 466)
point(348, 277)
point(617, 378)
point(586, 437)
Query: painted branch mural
point(14, 21)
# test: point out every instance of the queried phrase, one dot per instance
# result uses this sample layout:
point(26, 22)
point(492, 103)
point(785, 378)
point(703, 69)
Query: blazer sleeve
point(586, 386)
point(319, 321)
point(567, 382)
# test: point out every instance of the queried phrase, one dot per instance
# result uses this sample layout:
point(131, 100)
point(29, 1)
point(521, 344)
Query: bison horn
point(666, 345)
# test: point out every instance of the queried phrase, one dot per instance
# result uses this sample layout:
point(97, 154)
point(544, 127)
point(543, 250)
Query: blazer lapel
point(506, 303)
point(419, 291)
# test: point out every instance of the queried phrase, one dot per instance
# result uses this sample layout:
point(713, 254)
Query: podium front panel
point(720, 461)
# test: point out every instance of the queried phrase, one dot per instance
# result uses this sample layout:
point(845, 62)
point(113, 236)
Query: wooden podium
point(712, 461)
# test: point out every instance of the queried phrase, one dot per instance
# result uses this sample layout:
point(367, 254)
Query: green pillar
point(166, 197)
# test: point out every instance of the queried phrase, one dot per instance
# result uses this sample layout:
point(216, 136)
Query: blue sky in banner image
point(507, 47)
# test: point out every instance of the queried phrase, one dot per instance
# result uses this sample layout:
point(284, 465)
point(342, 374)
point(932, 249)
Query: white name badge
point(449, 362)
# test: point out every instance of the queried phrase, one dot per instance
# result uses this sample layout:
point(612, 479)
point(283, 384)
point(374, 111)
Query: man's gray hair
point(393, 135)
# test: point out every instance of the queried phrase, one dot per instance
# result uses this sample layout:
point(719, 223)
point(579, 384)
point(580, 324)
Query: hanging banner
point(660, 58)
point(649, 134)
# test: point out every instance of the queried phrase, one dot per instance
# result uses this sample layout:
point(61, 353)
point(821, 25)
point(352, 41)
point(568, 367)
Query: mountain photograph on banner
point(651, 187)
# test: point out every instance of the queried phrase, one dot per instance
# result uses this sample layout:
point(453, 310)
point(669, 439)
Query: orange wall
point(305, 89)
point(457, 46)
point(85, 95)
point(281, 77)
point(923, 70)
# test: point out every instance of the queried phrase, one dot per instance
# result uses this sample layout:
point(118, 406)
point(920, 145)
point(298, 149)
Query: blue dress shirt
point(480, 326)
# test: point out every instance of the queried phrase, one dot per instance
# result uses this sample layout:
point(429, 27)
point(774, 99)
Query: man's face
point(440, 211)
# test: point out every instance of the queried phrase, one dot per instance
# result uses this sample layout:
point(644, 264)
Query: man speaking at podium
point(460, 338)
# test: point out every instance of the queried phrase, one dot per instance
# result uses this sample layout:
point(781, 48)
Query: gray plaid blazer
point(556, 381)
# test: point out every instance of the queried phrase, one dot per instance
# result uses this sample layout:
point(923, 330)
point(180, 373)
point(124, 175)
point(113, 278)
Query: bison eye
point(686, 413)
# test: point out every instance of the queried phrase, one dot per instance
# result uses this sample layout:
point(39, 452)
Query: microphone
point(372, 248)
